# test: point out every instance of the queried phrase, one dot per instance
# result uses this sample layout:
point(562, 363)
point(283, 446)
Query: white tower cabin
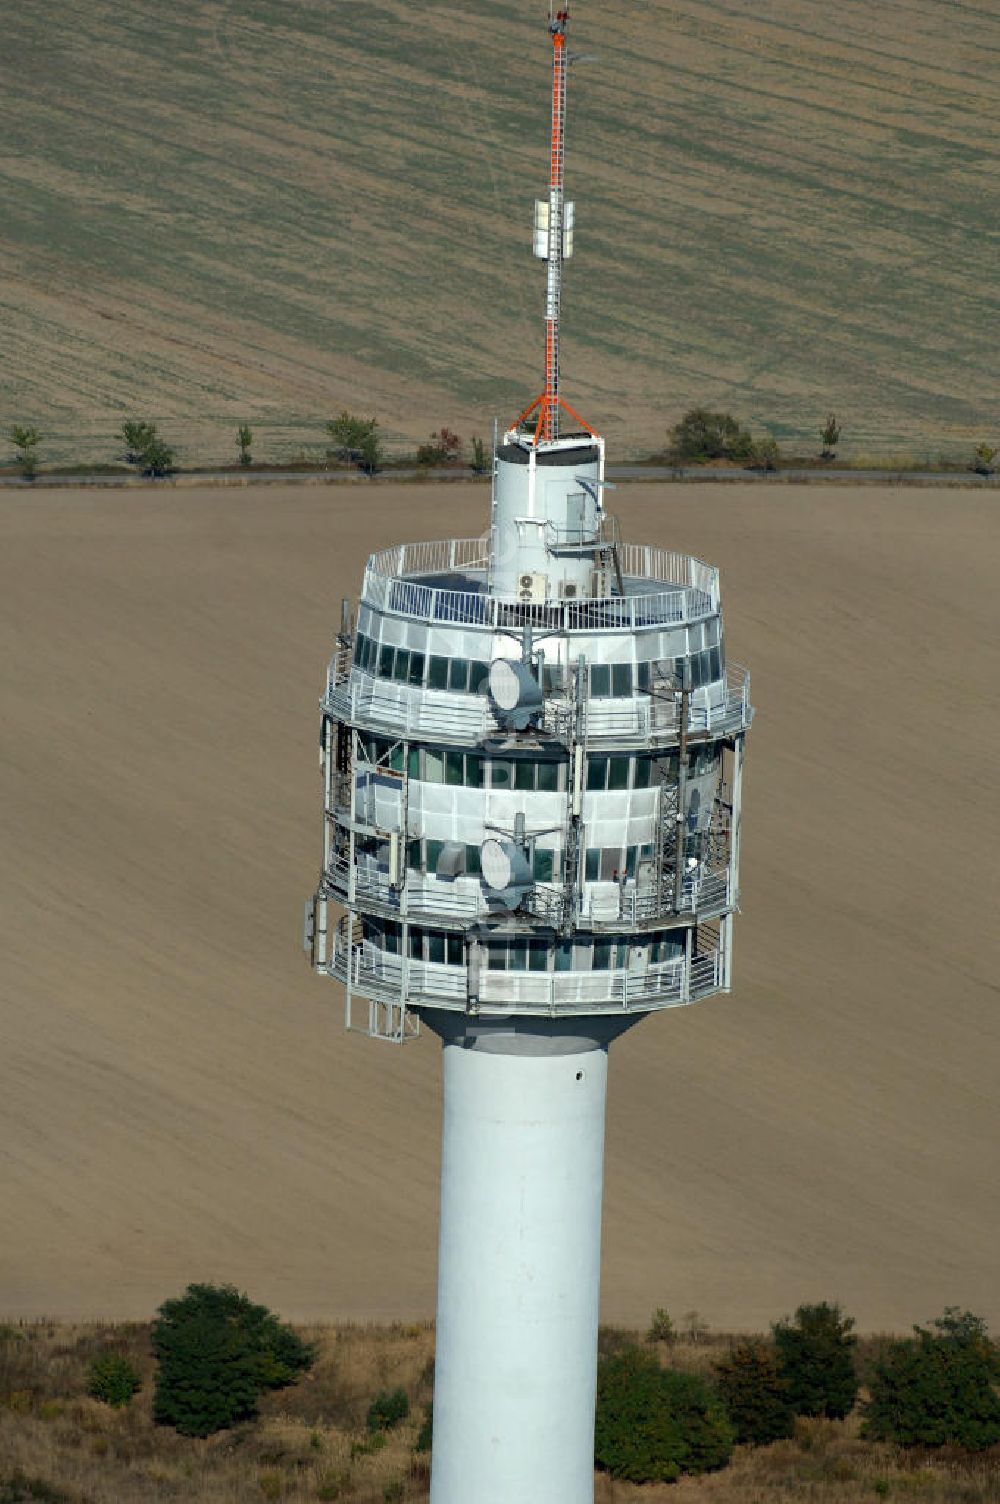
point(532, 748)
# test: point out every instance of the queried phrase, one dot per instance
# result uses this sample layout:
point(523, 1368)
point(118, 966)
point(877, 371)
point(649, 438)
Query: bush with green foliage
point(703, 435)
point(112, 1378)
point(831, 437)
point(145, 449)
point(217, 1352)
point(765, 455)
point(244, 441)
point(938, 1387)
point(355, 441)
point(387, 1409)
point(26, 442)
point(816, 1360)
point(661, 1326)
point(754, 1393)
point(480, 458)
point(653, 1423)
point(425, 1435)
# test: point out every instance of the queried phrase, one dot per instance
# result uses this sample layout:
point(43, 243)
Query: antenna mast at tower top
point(554, 241)
point(557, 205)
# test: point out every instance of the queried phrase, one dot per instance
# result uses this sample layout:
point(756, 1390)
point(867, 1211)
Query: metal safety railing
point(388, 707)
point(688, 590)
point(389, 976)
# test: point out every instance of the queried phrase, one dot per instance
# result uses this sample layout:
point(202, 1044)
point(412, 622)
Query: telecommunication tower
point(532, 751)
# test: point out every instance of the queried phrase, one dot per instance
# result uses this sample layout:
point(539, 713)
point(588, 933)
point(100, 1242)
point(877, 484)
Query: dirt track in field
point(177, 1100)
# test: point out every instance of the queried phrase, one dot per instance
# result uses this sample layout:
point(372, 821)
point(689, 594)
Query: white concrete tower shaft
point(519, 1262)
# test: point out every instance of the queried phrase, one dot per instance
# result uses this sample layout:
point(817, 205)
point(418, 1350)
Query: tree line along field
point(313, 1441)
point(264, 212)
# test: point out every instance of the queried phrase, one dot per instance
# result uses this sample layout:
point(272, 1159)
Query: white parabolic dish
point(505, 686)
point(495, 863)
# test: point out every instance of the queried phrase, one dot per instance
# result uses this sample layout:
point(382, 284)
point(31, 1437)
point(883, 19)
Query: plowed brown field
point(177, 1100)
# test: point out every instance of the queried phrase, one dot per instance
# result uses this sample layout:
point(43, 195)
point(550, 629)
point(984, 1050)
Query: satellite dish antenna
point(505, 870)
point(515, 693)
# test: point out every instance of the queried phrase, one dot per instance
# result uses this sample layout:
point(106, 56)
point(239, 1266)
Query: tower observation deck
point(532, 752)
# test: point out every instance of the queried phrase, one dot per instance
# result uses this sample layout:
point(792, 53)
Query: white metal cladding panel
point(625, 818)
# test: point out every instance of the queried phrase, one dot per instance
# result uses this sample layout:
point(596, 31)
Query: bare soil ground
point(178, 1101)
point(258, 212)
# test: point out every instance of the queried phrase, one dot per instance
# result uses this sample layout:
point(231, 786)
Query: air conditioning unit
point(532, 587)
point(600, 584)
point(569, 590)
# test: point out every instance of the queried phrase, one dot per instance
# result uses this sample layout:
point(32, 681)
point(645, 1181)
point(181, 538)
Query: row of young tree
point(701, 437)
point(939, 1387)
point(354, 441)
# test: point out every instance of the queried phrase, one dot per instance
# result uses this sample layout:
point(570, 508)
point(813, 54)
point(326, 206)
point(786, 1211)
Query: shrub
point(655, 1423)
point(445, 447)
point(394, 1492)
point(754, 1393)
point(425, 1435)
point(938, 1387)
point(764, 455)
point(480, 459)
point(145, 449)
point(334, 1485)
point(355, 440)
point(26, 442)
point(217, 1351)
point(982, 459)
point(703, 435)
point(661, 1326)
point(244, 441)
point(113, 1380)
point(816, 1360)
point(830, 435)
point(387, 1409)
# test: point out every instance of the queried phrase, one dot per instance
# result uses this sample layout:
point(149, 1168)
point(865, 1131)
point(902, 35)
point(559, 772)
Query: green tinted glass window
point(517, 955)
point(437, 673)
point(602, 955)
point(416, 668)
point(416, 944)
point(592, 869)
point(454, 950)
point(538, 955)
point(524, 775)
point(458, 674)
point(413, 855)
point(473, 771)
point(600, 681)
point(564, 955)
point(496, 956)
point(434, 765)
point(597, 772)
point(642, 772)
point(401, 671)
point(618, 772)
point(621, 680)
point(434, 850)
point(548, 777)
point(500, 775)
point(396, 758)
point(543, 865)
point(643, 678)
point(479, 677)
point(435, 948)
point(454, 767)
point(385, 658)
point(473, 862)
